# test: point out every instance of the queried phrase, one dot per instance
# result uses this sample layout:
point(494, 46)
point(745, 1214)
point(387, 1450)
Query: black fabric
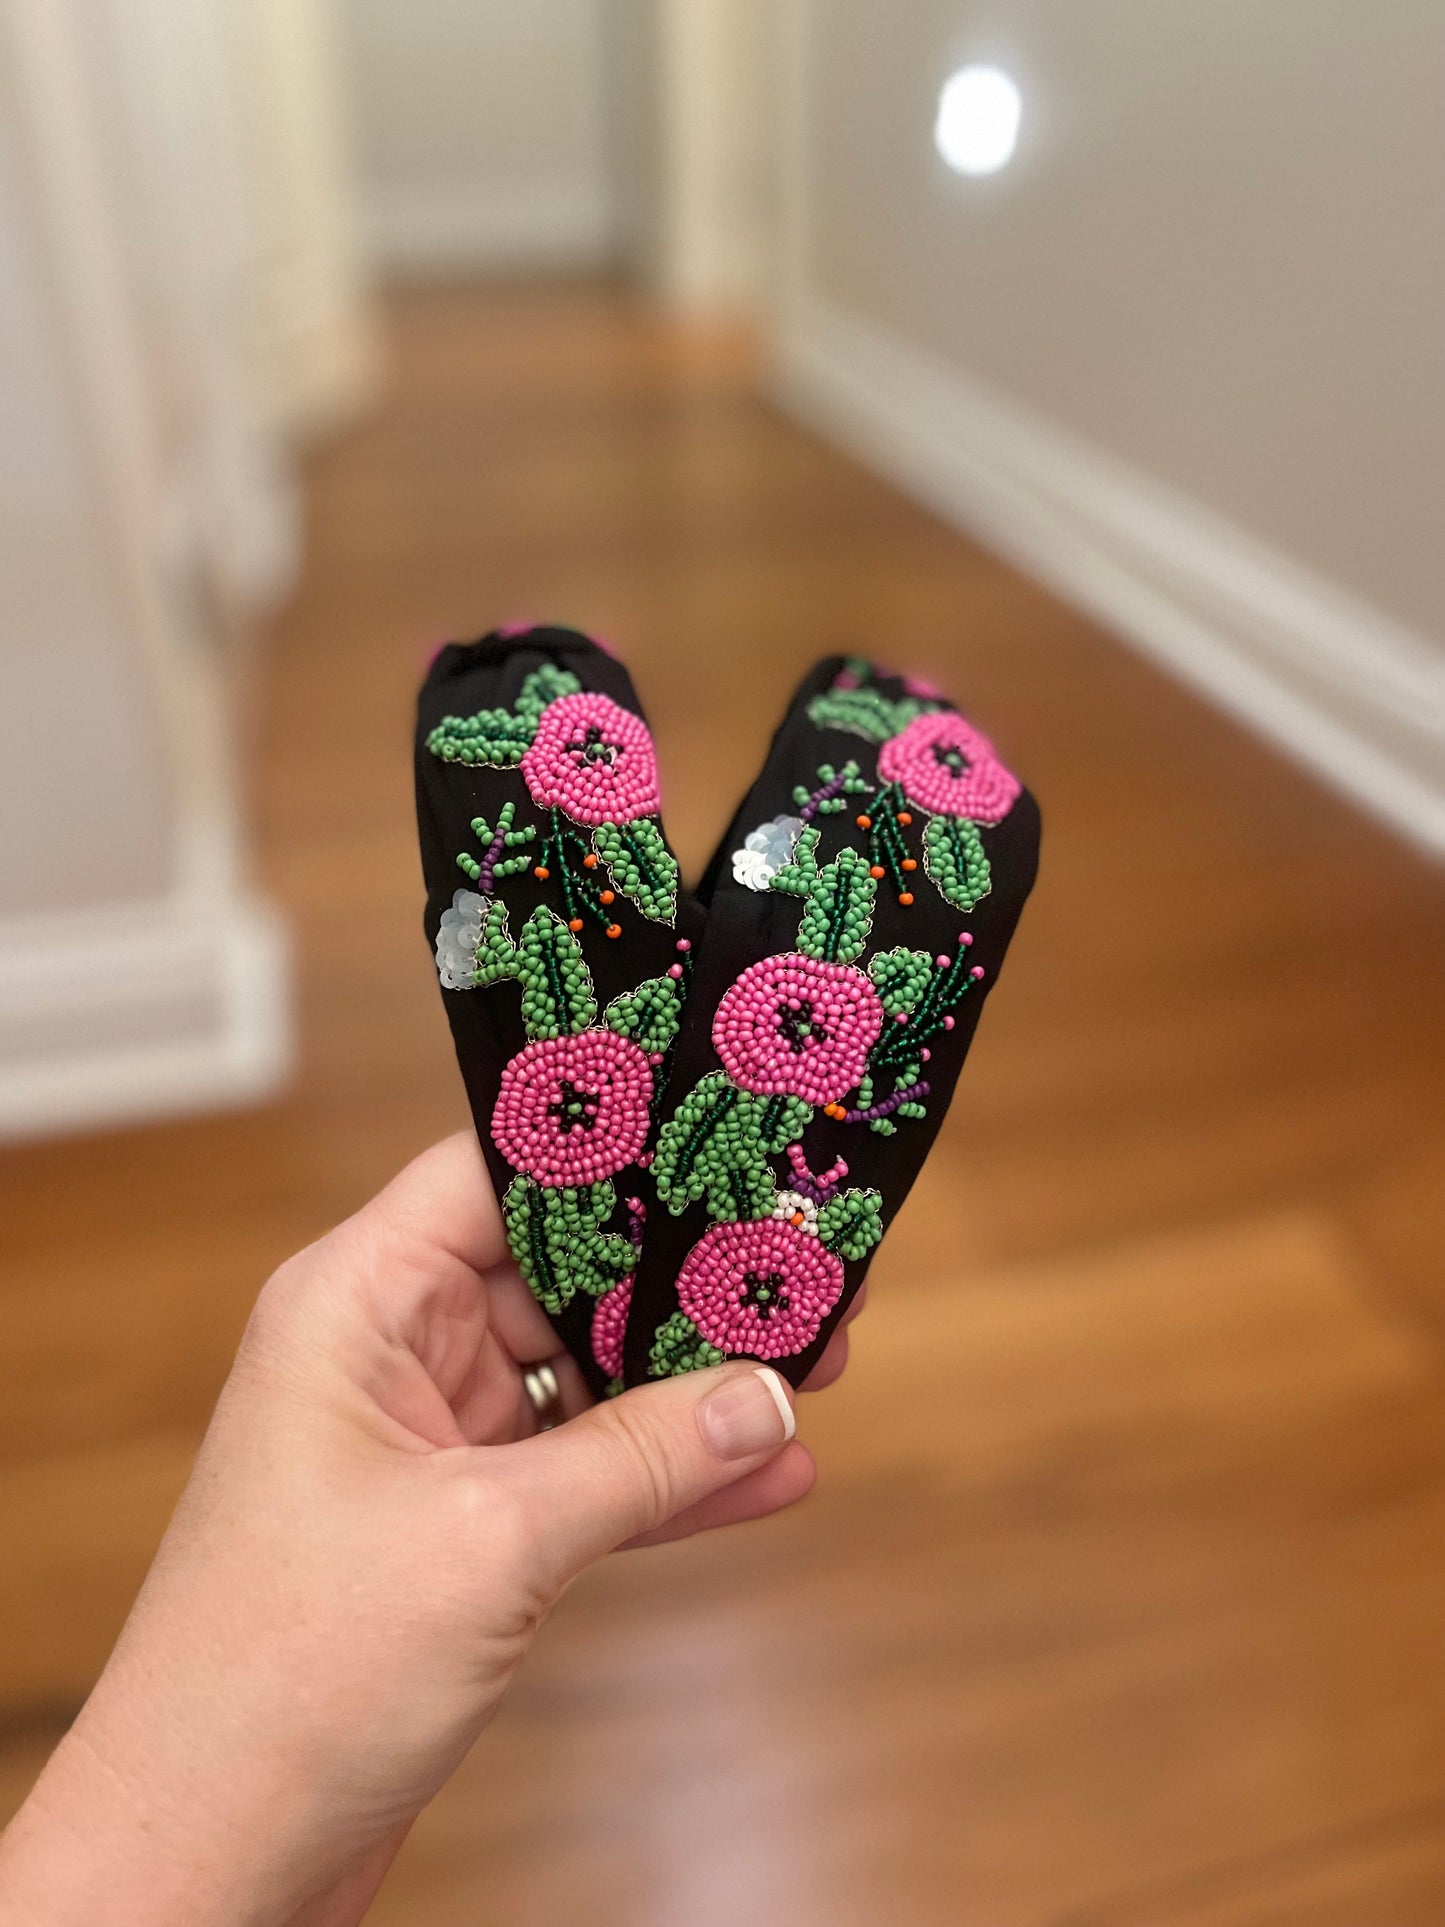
point(725, 927)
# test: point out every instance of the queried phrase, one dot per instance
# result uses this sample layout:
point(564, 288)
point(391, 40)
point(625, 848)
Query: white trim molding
point(141, 975)
point(1339, 685)
point(147, 1012)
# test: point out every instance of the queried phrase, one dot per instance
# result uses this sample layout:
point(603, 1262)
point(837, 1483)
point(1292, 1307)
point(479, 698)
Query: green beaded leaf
point(680, 1347)
point(501, 737)
point(851, 1223)
point(797, 877)
point(781, 1121)
point(863, 712)
point(598, 1259)
point(715, 1146)
point(496, 953)
point(557, 995)
point(542, 687)
point(556, 1238)
point(648, 1015)
point(640, 865)
point(835, 924)
point(953, 856)
point(900, 977)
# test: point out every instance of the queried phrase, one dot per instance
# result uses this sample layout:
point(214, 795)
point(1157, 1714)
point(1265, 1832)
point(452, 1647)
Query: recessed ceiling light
point(977, 127)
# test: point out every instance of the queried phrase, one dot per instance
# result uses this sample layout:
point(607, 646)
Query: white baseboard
point(118, 1016)
point(450, 232)
point(1338, 684)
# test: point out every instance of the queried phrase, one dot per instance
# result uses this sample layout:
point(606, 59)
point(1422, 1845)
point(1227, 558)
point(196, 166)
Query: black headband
point(701, 1113)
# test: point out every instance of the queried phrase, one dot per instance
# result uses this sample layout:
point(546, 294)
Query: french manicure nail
point(749, 1414)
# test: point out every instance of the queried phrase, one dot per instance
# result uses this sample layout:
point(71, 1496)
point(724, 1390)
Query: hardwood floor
point(1119, 1603)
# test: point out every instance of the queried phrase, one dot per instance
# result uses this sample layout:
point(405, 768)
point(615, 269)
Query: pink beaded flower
point(593, 759)
point(762, 1288)
point(609, 1327)
point(571, 1110)
point(944, 765)
point(793, 1026)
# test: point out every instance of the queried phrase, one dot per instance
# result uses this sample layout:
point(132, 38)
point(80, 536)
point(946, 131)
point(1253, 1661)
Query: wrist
point(142, 1819)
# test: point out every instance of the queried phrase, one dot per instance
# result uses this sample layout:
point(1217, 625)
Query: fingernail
point(749, 1414)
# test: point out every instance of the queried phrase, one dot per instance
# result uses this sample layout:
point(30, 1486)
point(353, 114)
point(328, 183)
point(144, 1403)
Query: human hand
point(371, 1536)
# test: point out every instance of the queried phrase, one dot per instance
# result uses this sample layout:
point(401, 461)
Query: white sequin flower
point(765, 850)
point(457, 940)
point(793, 1208)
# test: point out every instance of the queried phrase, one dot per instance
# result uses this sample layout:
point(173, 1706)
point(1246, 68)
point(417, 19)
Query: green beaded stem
point(953, 856)
point(500, 738)
point(641, 866)
point(555, 1235)
point(678, 1346)
point(898, 1049)
point(888, 849)
point(570, 861)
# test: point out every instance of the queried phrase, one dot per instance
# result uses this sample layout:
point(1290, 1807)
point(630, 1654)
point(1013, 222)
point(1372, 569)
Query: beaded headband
point(701, 1113)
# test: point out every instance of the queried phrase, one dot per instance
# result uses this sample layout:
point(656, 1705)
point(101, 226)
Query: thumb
point(630, 1465)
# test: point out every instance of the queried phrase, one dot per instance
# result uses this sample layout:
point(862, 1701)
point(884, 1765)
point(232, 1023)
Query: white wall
point(482, 131)
point(706, 78)
point(163, 334)
point(1183, 356)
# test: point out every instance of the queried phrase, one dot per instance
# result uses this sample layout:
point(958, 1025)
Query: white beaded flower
point(765, 850)
point(457, 940)
point(793, 1208)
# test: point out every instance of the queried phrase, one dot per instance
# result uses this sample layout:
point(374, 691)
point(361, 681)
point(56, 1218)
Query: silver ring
point(540, 1384)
